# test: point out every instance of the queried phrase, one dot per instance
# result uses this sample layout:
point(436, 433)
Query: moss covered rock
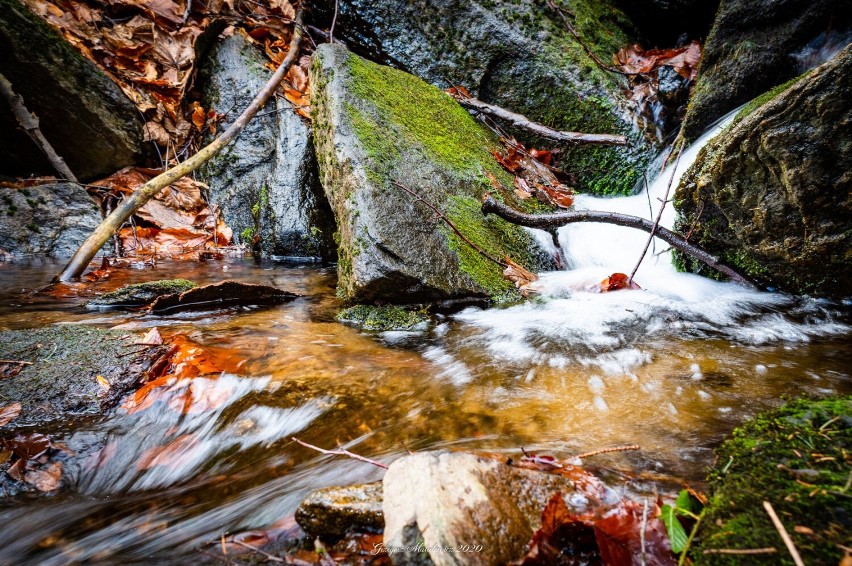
point(798, 459)
point(772, 194)
point(517, 54)
point(383, 318)
point(139, 294)
point(376, 126)
point(752, 47)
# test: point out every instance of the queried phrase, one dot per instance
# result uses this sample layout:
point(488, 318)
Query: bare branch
point(339, 452)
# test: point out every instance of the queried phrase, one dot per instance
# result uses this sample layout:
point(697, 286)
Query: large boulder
point(265, 182)
point(82, 112)
point(752, 47)
point(517, 54)
point(51, 219)
point(772, 194)
point(376, 126)
point(452, 508)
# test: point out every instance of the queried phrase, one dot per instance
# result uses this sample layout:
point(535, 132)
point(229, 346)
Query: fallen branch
point(779, 526)
point(339, 452)
point(521, 121)
point(550, 221)
point(768, 550)
point(143, 194)
point(609, 450)
point(18, 362)
point(29, 123)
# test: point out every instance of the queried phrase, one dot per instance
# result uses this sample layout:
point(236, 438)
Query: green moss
point(383, 318)
point(798, 459)
point(763, 99)
point(142, 293)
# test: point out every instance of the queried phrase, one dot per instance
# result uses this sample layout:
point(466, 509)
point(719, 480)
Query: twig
point(768, 550)
point(682, 560)
point(608, 450)
point(659, 213)
point(19, 362)
point(644, 526)
point(333, 22)
point(588, 51)
point(339, 452)
point(29, 123)
point(546, 221)
point(783, 532)
point(259, 551)
point(521, 121)
point(449, 223)
point(143, 194)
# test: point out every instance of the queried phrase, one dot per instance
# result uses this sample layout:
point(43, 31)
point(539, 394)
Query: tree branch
point(29, 124)
point(550, 221)
point(524, 123)
point(147, 191)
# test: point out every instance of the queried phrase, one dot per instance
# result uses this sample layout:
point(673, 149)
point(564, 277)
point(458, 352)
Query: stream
point(673, 368)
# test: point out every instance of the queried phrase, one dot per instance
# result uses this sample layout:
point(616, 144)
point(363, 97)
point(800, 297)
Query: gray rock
point(61, 384)
point(83, 113)
point(265, 181)
point(772, 194)
point(376, 125)
point(751, 48)
point(333, 511)
point(449, 499)
point(517, 54)
point(46, 219)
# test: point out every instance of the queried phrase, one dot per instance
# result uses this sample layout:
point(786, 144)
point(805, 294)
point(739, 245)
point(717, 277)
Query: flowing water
point(673, 368)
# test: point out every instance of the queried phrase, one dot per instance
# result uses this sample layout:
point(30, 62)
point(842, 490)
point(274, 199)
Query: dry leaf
point(519, 275)
point(152, 338)
point(9, 413)
point(46, 479)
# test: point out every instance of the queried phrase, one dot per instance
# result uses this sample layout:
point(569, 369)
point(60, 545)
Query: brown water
point(566, 374)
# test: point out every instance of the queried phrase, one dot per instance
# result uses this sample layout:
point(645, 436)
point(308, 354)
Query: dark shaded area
point(667, 23)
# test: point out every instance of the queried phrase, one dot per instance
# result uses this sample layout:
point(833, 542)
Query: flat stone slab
point(333, 511)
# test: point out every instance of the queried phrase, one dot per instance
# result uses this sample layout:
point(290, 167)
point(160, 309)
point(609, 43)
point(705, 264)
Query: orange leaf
point(9, 413)
point(199, 117)
point(617, 282)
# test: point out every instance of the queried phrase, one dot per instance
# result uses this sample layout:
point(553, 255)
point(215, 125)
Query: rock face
point(751, 48)
point(333, 511)
point(46, 219)
point(376, 125)
point(83, 114)
point(265, 181)
point(773, 193)
point(517, 54)
point(451, 499)
point(664, 22)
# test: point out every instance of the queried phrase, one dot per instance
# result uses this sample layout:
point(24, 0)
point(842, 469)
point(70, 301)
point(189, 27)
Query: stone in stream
point(772, 193)
point(83, 114)
point(751, 48)
point(52, 219)
point(449, 499)
point(332, 512)
point(265, 182)
point(140, 294)
point(228, 293)
point(519, 55)
point(375, 125)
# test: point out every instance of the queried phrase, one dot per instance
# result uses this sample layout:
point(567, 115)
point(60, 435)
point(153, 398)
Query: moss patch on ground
point(798, 458)
point(140, 294)
point(370, 317)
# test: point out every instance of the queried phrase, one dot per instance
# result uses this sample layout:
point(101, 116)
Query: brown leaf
point(562, 197)
point(152, 337)
point(519, 275)
point(199, 116)
point(45, 479)
point(617, 282)
point(27, 446)
point(522, 188)
point(9, 413)
point(155, 132)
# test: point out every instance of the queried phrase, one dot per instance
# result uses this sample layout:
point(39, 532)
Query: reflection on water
point(672, 368)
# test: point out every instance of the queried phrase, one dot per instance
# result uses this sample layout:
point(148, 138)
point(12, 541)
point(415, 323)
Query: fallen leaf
point(519, 275)
point(199, 116)
point(45, 479)
point(152, 337)
point(103, 382)
point(617, 282)
point(9, 413)
point(27, 446)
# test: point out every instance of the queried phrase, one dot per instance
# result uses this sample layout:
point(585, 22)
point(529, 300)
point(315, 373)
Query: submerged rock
point(140, 294)
point(376, 126)
point(266, 180)
point(83, 114)
point(49, 219)
point(70, 367)
point(517, 54)
point(451, 500)
point(335, 511)
point(383, 318)
point(772, 194)
point(752, 48)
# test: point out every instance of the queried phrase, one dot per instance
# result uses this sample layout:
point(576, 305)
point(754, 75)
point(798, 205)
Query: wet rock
point(333, 511)
point(49, 219)
point(265, 181)
point(82, 112)
point(383, 318)
point(772, 194)
point(449, 499)
point(62, 382)
point(517, 54)
point(376, 125)
point(140, 294)
point(220, 295)
point(752, 48)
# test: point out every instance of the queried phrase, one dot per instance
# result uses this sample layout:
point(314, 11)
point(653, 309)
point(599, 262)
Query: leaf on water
point(519, 275)
point(617, 282)
point(8, 413)
point(45, 479)
point(152, 338)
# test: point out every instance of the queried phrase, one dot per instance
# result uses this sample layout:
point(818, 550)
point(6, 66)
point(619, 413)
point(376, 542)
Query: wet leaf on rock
point(519, 275)
point(8, 413)
point(45, 479)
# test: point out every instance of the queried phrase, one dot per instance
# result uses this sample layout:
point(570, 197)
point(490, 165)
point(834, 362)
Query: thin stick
point(449, 223)
point(644, 526)
point(143, 194)
point(333, 22)
point(608, 450)
point(259, 551)
point(19, 362)
point(689, 540)
point(521, 121)
point(659, 213)
point(783, 532)
point(768, 550)
point(29, 123)
point(339, 452)
point(547, 221)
